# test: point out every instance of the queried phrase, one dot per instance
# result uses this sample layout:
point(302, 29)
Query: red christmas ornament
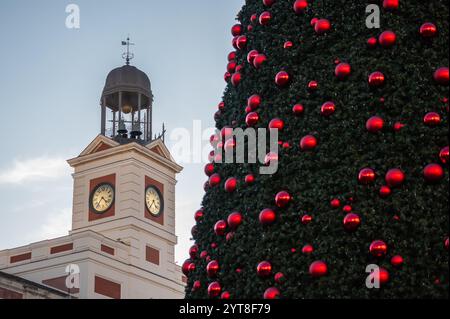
point(328, 108)
point(398, 126)
point(376, 79)
point(234, 42)
point(313, 86)
point(366, 176)
point(443, 155)
point(236, 30)
point(298, 109)
point(249, 179)
point(322, 26)
point(351, 222)
point(214, 180)
point(220, 227)
point(397, 261)
point(203, 254)
point(254, 101)
point(385, 191)
point(441, 76)
point(382, 276)
point(395, 177)
point(387, 39)
point(378, 248)
point(374, 124)
point(267, 216)
point(372, 42)
point(270, 157)
point(226, 77)
point(248, 109)
point(428, 30)
point(221, 107)
point(241, 42)
point(212, 268)
point(390, 4)
point(308, 142)
point(251, 56)
point(271, 293)
point(209, 169)
point(433, 173)
point(279, 277)
point(335, 203)
point(282, 78)
point(259, 60)
point(265, 18)
point(231, 66)
point(234, 220)
point(282, 199)
point(268, 3)
point(300, 6)
point(276, 124)
point(252, 118)
point(318, 269)
point(236, 79)
point(264, 269)
point(196, 285)
point(232, 56)
point(342, 70)
point(288, 45)
point(193, 251)
point(229, 236)
point(446, 243)
point(198, 215)
point(214, 289)
point(239, 68)
point(230, 183)
point(432, 119)
point(186, 267)
point(306, 219)
point(314, 21)
point(225, 295)
point(307, 249)
point(253, 18)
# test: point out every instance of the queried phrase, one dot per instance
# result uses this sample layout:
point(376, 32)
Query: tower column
point(103, 117)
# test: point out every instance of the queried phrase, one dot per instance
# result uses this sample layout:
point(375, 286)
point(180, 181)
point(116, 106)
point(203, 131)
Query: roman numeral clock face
point(153, 201)
point(102, 198)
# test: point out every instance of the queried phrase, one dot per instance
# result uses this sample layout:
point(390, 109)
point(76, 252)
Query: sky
point(50, 86)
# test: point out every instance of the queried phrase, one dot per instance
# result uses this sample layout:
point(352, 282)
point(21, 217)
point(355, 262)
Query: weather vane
point(127, 55)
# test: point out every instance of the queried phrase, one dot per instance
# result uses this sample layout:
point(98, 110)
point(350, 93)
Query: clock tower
point(123, 223)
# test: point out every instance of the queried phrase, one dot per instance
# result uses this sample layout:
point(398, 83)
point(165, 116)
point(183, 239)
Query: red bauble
point(318, 269)
point(232, 56)
point(433, 173)
point(251, 56)
point(397, 261)
point(226, 77)
point(265, 18)
point(259, 60)
point(270, 157)
point(374, 124)
point(376, 79)
point(236, 30)
point(198, 215)
point(288, 45)
point(231, 66)
point(209, 169)
point(441, 76)
point(383, 276)
point(372, 42)
point(254, 101)
point(387, 39)
point(366, 176)
point(249, 179)
point(203, 254)
point(351, 222)
point(236, 79)
point(271, 293)
point(282, 78)
point(378, 248)
point(186, 267)
point(282, 199)
point(268, 3)
point(428, 30)
point(253, 18)
point(322, 26)
point(443, 155)
point(342, 70)
point(276, 124)
point(432, 119)
point(212, 268)
point(308, 142)
point(390, 4)
point(196, 285)
point(328, 108)
point(385, 191)
point(307, 249)
point(313, 21)
point(241, 42)
point(230, 183)
point(193, 251)
point(300, 6)
point(264, 269)
point(306, 219)
point(252, 118)
point(279, 277)
point(398, 126)
point(395, 177)
point(220, 227)
point(214, 180)
point(347, 208)
point(313, 86)
point(298, 109)
point(446, 243)
point(234, 220)
point(335, 203)
point(214, 289)
point(267, 216)
point(194, 231)
point(221, 107)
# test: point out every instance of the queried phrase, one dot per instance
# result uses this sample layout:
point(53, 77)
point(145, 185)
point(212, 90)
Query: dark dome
point(127, 79)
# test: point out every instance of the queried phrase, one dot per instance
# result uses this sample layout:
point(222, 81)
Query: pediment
point(100, 143)
point(157, 146)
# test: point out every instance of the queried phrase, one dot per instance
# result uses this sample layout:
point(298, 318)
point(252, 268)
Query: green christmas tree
point(369, 183)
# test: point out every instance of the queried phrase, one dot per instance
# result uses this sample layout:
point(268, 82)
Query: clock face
point(153, 201)
point(102, 198)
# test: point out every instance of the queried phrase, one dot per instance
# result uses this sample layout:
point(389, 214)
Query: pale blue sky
point(50, 84)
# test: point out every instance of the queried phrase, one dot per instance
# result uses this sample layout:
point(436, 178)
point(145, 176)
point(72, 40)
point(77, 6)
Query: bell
point(122, 128)
point(127, 109)
point(136, 132)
